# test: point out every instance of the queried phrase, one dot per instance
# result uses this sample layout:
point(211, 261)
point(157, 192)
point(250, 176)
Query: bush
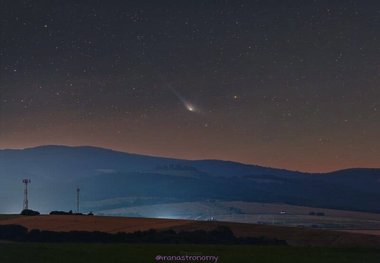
point(29, 212)
point(320, 214)
point(13, 232)
point(58, 213)
point(63, 213)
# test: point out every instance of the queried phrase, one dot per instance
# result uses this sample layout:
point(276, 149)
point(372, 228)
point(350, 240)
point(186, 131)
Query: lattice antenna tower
point(78, 192)
point(26, 201)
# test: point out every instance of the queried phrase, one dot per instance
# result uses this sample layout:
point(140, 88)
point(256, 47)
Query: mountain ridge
point(106, 174)
point(98, 148)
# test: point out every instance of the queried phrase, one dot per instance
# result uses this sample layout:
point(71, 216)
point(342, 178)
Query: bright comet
point(189, 107)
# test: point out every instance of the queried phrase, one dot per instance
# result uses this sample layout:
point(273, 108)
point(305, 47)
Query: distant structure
point(78, 192)
point(26, 202)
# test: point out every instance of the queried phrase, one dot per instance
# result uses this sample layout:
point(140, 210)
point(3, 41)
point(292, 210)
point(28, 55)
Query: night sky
point(289, 84)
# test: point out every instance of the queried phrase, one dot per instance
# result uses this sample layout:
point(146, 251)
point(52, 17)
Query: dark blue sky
point(292, 84)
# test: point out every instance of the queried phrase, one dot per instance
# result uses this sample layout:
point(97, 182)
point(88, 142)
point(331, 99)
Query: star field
point(290, 84)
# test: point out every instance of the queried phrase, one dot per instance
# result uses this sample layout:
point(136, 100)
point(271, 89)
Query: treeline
point(220, 235)
point(29, 212)
point(64, 213)
point(312, 213)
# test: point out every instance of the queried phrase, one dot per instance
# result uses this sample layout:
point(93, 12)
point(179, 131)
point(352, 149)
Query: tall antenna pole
point(78, 191)
point(26, 202)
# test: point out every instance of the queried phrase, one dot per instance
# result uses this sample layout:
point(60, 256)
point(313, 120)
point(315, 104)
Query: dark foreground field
point(305, 245)
point(75, 253)
point(294, 236)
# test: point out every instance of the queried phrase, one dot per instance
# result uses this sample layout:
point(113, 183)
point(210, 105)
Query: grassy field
point(94, 253)
point(6, 217)
point(91, 223)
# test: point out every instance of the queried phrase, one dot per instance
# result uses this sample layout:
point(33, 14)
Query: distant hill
point(111, 179)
